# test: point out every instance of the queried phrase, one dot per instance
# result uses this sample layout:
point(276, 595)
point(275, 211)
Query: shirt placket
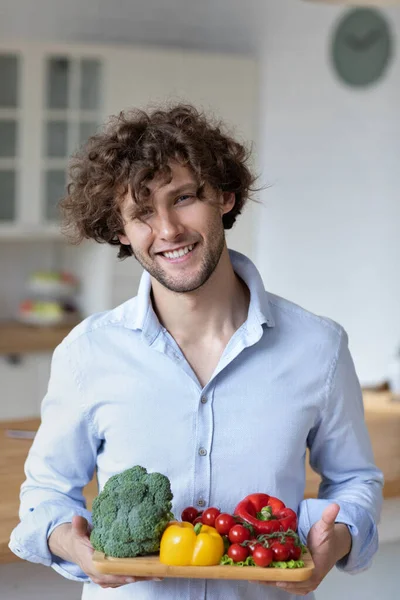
point(204, 422)
point(202, 442)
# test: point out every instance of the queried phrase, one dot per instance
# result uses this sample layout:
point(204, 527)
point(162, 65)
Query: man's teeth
point(178, 253)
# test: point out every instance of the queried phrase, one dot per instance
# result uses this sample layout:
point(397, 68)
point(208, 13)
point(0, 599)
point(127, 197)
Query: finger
point(109, 580)
point(329, 515)
point(269, 583)
point(115, 580)
point(303, 587)
point(299, 588)
point(80, 526)
point(296, 591)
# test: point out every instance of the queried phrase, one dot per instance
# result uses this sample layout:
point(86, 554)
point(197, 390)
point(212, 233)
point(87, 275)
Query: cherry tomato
point(280, 551)
point(237, 552)
point(197, 520)
point(262, 556)
point(224, 523)
point(289, 541)
point(209, 515)
point(189, 514)
point(294, 552)
point(239, 534)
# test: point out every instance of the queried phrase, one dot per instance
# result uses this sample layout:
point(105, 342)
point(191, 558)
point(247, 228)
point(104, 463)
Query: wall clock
point(362, 47)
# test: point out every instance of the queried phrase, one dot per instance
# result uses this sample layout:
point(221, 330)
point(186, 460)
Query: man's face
point(180, 238)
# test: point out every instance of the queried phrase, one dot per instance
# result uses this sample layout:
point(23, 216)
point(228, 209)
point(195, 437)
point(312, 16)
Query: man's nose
point(169, 226)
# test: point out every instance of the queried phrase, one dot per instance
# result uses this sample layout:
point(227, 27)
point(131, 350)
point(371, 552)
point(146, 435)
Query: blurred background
point(314, 87)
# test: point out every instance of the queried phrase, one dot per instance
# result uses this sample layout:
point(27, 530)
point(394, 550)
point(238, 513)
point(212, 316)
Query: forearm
point(343, 540)
point(365, 492)
point(58, 542)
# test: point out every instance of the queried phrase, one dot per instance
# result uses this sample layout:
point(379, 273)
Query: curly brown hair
point(133, 148)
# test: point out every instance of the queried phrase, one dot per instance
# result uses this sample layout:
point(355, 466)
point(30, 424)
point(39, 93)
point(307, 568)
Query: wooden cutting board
point(150, 566)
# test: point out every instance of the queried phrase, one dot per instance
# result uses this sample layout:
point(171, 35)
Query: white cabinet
point(57, 95)
point(50, 103)
point(71, 112)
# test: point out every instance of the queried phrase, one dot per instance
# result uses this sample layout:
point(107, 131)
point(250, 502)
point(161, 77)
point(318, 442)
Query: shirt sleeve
point(341, 452)
point(60, 463)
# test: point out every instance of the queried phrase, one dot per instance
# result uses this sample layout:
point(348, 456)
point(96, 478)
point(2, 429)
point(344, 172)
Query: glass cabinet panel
point(9, 79)
point(58, 82)
point(90, 84)
point(55, 190)
point(56, 139)
point(8, 138)
point(86, 129)
point(7, 195)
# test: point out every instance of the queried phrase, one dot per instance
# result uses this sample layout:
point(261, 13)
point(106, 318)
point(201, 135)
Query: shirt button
point(201, 502)
point(204, 400)
point(202, 452)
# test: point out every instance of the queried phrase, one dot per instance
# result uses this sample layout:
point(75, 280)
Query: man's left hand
point(327, 542)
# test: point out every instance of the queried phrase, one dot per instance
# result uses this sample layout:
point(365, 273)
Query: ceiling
point(208, 25)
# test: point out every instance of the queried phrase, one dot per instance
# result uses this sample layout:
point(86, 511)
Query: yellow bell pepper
point(183, 545)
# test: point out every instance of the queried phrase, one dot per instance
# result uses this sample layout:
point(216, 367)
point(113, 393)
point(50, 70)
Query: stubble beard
point(211, 256)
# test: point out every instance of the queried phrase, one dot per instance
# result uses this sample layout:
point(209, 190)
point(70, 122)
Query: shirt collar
point(146, 320)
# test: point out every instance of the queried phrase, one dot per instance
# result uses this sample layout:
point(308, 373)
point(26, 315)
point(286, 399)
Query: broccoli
point(131, 513)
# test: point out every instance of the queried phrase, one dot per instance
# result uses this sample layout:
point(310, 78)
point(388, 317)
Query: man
point(204, 376)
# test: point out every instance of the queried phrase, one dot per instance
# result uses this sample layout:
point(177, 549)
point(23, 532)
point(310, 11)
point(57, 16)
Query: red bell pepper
point(266, 514)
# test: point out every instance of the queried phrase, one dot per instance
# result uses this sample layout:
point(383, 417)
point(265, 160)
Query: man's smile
point(179, 255)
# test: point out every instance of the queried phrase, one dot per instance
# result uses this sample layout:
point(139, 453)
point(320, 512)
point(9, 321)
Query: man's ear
point(227, 202)
point(124, 239)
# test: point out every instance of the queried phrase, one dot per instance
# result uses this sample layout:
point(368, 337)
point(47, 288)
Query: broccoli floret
point(131, 513)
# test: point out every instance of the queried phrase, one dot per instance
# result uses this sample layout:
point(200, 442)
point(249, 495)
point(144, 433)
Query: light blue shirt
point(121, 393)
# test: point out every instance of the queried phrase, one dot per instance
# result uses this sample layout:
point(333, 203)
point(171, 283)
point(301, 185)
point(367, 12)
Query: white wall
point(329, 228)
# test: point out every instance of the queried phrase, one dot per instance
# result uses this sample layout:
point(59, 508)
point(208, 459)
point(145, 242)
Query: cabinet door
point(9, 136)
point(71, 113)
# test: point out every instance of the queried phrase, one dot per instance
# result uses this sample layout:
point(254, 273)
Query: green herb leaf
point(290, 564)
point(226, 560)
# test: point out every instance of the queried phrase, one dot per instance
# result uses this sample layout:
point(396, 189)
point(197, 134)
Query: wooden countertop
point(17, 338)
point(382, 417)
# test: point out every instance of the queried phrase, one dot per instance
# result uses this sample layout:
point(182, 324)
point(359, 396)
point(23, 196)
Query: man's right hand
point(71, 542)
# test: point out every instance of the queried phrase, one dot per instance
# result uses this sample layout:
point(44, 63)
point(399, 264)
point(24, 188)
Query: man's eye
point(184, 198)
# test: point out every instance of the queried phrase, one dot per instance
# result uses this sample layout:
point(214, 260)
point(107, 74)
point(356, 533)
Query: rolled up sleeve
point(341, 452)
point(60, 463)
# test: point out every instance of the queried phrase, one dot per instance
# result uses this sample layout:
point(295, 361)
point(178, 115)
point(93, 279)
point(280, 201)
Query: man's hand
point(71, 542)
point(328, 542)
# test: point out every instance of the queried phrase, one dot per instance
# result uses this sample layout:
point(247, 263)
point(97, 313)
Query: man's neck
point(217, 309)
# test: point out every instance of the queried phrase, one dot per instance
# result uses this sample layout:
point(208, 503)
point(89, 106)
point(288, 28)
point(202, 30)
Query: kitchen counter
point(382, 416)
point(17, 338)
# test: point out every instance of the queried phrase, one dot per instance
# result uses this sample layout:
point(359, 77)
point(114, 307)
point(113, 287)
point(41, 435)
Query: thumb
point(329, 515)
point(80, 526)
